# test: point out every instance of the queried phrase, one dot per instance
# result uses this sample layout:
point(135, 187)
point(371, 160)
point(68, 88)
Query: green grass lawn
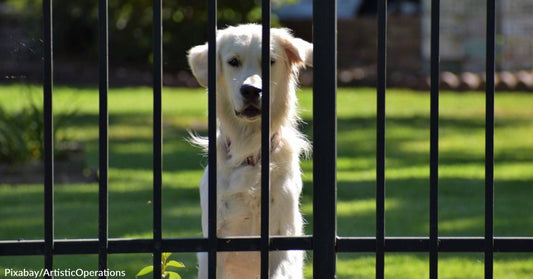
point(461, 204)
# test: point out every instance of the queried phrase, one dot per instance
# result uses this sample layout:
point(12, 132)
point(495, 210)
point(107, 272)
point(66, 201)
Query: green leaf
point(174, 263)
point(165, 256)
point(145, 270)
point(173, 275)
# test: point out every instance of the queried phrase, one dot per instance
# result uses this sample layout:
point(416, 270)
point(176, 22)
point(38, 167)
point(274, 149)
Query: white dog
point(238, 72)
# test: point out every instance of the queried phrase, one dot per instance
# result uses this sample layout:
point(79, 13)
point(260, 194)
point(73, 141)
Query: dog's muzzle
point(252, 101)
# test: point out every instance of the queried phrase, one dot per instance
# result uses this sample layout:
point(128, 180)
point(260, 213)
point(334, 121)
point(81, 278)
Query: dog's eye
point(234, 62)
point(272, 62)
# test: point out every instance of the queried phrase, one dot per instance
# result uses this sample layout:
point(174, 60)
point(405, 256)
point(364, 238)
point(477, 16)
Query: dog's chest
point(239, 201)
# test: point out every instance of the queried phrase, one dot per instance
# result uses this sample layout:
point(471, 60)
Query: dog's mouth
point(249, 112)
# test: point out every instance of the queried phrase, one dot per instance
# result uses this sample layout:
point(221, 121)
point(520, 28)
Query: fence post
point(489, 138)
point(265, 139)
point(324, 138)
point(103, 83)
point(158, 134)
point(212, 147)
point(380, 136)
point(434, 144)
point(48, 140)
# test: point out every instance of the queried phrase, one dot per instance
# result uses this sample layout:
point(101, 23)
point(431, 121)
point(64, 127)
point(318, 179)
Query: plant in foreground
point(165, 263)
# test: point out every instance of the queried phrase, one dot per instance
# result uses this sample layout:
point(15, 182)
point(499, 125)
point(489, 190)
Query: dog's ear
point(198, 62)
point(299, 52)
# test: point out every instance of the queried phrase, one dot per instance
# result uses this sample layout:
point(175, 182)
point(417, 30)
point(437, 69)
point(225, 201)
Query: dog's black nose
point(250, 93)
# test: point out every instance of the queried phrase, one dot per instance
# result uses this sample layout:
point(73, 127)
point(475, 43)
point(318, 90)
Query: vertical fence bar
point(103, 84)
point(434, 144)
point(380, 130)
point(489, 139)
point(265, 138)
point(158, 133)
point(212, 147)
point(48, 140)
point(324, 138)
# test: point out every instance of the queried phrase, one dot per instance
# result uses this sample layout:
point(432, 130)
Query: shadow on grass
point(461, 210)
point(407, 141)
point(461, 207)
point(76, 212)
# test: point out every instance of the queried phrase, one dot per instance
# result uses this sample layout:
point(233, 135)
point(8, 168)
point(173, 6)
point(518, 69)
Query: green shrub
point(22, 133)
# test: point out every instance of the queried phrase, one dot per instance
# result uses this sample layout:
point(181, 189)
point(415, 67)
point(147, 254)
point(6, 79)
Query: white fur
point(238, 183)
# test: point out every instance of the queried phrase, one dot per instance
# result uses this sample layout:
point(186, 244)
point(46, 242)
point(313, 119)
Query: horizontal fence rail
point(342, 245)
point(324, 242)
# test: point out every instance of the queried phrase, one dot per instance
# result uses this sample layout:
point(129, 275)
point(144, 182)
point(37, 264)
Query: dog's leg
point(202, 265)
point(238, 265)
point(203, 257)
point(286, 265)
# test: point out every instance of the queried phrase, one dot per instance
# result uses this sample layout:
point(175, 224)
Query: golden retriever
point(239, 97)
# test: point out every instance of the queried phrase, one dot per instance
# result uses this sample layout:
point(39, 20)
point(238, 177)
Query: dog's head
point(238, 68)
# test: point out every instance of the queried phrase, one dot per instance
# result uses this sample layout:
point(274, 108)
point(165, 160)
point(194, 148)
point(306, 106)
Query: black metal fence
point(324, 242)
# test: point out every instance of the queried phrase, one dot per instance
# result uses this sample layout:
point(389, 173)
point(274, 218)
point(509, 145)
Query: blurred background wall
point(76, 35)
